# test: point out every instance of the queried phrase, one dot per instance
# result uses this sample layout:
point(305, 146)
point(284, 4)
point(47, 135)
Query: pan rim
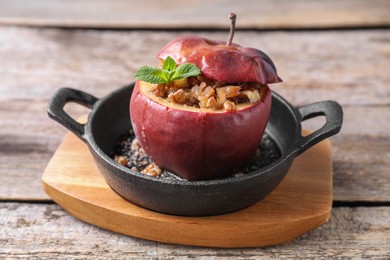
point(289, 154)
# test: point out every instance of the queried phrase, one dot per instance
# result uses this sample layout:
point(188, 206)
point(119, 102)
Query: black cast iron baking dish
point(109, 119)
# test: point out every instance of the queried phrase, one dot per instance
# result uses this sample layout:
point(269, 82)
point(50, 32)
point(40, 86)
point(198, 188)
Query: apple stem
point(232, 28)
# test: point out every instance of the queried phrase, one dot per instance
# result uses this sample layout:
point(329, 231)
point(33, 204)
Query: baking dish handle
point(60, 99)
point(334, 120)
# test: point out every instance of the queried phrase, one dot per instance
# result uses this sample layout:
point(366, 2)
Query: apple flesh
point(222, 63)
point(194, 143)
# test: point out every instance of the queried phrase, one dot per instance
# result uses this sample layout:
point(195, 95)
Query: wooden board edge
point(140, 227)
point(135, 227)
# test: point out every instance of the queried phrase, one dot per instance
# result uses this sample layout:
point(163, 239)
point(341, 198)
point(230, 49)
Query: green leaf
point(169, 64)
point(186, 70)
point(151, 75)
point(168, 73)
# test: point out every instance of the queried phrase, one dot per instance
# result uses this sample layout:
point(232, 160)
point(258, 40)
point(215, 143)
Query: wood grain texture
point(47, 232)
point(195, 13)
point(361, 155)
point(347, 66)
point(300, 203)
point(27, 141)
point(314, 65)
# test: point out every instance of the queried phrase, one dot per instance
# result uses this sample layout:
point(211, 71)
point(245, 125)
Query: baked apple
point(203, 114)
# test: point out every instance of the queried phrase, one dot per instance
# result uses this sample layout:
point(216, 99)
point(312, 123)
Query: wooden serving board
point(302, 202)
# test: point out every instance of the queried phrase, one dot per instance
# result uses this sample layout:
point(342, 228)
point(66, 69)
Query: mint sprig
point(168, 73)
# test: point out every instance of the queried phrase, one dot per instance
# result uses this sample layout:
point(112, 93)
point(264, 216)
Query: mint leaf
point(169, 64)
point(186, 70)
point(168, 68)
point(168, 73)
point(151, 75)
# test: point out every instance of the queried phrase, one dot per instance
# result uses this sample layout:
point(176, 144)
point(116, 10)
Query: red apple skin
point(222, 63)
point(198, 145)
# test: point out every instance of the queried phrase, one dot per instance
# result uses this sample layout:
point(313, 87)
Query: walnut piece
point(152, 170)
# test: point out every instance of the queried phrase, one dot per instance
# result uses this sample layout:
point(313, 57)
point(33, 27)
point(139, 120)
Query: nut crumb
point(229, 105)
point(211, 103)
point(152, 170)
point(144, 162)
point(135, 146)
point(121, 160)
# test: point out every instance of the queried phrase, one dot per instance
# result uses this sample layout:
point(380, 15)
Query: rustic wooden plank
point(208, 14)
point(46, 231)
point(361, 151)
point(28, 138)
point(348, 66)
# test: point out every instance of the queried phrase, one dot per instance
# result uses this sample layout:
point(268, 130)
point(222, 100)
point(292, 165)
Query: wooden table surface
point(337, 50)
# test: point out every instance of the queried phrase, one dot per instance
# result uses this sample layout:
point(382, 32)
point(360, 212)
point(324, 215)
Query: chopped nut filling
point(121, 160)
point(229, 105)
point(152, 170)
point(204, 93)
